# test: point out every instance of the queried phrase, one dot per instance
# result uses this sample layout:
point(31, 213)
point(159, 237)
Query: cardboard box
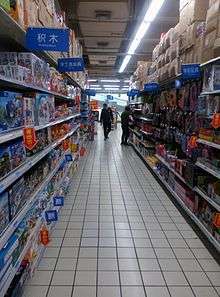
point(211, 46)
point(44, 17)
point(30, 13)
point(195, 10)
point(213, 11)
point(17, 12)
point(213, 24)
point(183, 3)
point(194, 32)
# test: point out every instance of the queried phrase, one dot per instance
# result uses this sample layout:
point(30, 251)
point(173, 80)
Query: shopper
point(111, 118)
point(105, 120)
point(126, 119)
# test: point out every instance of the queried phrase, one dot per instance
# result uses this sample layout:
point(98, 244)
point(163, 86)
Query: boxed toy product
point(16, 153)
point(5, 4)
point(28, 108)
point(11, 111)
point(44, 109)
point(4, 160)
point(42, 142)
point(17, 11)
point(17, 197)
point(4, 211)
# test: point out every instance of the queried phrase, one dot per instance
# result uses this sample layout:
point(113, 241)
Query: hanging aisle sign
point(133, 92)
point(47, 39)
point(71, 65)
point(90, 92)
point(110, 97)
point(191, 71)
point(151, 87)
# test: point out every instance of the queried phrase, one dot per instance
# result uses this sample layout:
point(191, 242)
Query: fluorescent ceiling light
point(150, 15)
point(97, 88)
point(110, 86)
point(125, 87)
point(113, 89)
point(94, 86)
point(124, 63)
point(127, 81)
point(92, 80)
point(110, 80)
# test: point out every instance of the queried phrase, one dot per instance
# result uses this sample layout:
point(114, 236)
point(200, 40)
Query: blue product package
point(4, 211)
point(44, 109)
point(11, 111)
point(17, 197)
point(4, 160)
point(16, 153)
point(8, 249)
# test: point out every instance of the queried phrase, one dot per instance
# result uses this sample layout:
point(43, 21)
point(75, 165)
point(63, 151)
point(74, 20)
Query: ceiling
point(105, 29)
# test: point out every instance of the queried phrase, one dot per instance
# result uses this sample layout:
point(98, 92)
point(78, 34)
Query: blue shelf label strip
point(47, 39)
point(71, 65)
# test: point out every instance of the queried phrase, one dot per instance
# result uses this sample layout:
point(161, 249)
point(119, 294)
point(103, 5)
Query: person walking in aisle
point(126, 119)
point(112, 119)
point(105, 120)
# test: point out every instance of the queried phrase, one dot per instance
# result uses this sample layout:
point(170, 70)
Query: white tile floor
point(119, 235)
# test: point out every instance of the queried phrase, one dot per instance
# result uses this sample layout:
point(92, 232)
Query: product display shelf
point(212, 61)
point(34, 232)
point(135, 132)
point(172, 170)
point(17, 220)
point(207, 198)
point(12, 31)
point(146, 133)
point(146, 145)
point(16, 84)
point(212, 144)
point(30, 162)
point(7, 136)
point(203, 229)
point(216, 92)
point(208, 169)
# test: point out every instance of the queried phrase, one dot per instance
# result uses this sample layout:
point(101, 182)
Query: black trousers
point(107, 129)
point(125, 134)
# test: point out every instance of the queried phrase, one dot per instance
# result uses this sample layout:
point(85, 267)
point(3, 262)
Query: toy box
point(211, 78)
point(42, 142)
point(44, 109)
point(4, 160)
point(17, 197)
point(11, 111)
point(4, 211)
point(28, 108)
point(16, 153)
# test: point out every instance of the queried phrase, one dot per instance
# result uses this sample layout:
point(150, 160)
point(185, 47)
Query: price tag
point(51, 216)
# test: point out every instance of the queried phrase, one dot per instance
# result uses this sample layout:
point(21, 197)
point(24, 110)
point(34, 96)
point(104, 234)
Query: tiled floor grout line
point(116, 244)
point(174, 252)
point(131, 230)
point(170, 247)
point(50, 284)
point(97, 267)
point(82, 229)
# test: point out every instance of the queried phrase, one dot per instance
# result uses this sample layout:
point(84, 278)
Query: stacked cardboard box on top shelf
point(195, 39)
point(140, 78)
point(42, 13)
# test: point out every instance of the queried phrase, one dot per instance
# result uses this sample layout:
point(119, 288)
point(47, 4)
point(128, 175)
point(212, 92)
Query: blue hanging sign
point(58, 201)
point(151, 87)
point(70, 65)
point(133, 92)
point(47, 39)
point(90, 92)
point(191, 71)
point(110, 97)
point(51, 216)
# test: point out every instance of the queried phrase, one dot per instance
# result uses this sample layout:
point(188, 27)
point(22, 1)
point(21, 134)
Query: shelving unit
point(208, 169)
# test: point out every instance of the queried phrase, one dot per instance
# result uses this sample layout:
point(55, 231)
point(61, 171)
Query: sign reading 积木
point(47, 39)
point(190, 71)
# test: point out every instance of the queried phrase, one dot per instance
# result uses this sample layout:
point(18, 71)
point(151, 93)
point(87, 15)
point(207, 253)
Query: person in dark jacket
point(105, 120)
point(125, 120)
point(112, 118)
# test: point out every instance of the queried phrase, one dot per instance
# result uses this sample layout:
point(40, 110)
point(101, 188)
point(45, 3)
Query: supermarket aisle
point(119, 235)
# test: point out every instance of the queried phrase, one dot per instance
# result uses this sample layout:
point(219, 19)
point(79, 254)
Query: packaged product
point(28, 108)
point(17, 11)
point(211, 78)
point(44, 109)
point(4, 160)
point(4, 211)
point(11, 111)
point(5, 4)
point(17, 197)
point(16, 153)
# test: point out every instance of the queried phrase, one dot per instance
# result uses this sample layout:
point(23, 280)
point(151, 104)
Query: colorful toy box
point(4, 211)
point(44, 109)
point(16, 153)
point(28, 108)
point(4, 160)
point(11, 111)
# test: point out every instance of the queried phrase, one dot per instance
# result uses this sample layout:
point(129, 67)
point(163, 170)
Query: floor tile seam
point(175, 258)
point(116, 244)
point(131, 232)
point(205, 272)
point(50, 284)
point(191, 251)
